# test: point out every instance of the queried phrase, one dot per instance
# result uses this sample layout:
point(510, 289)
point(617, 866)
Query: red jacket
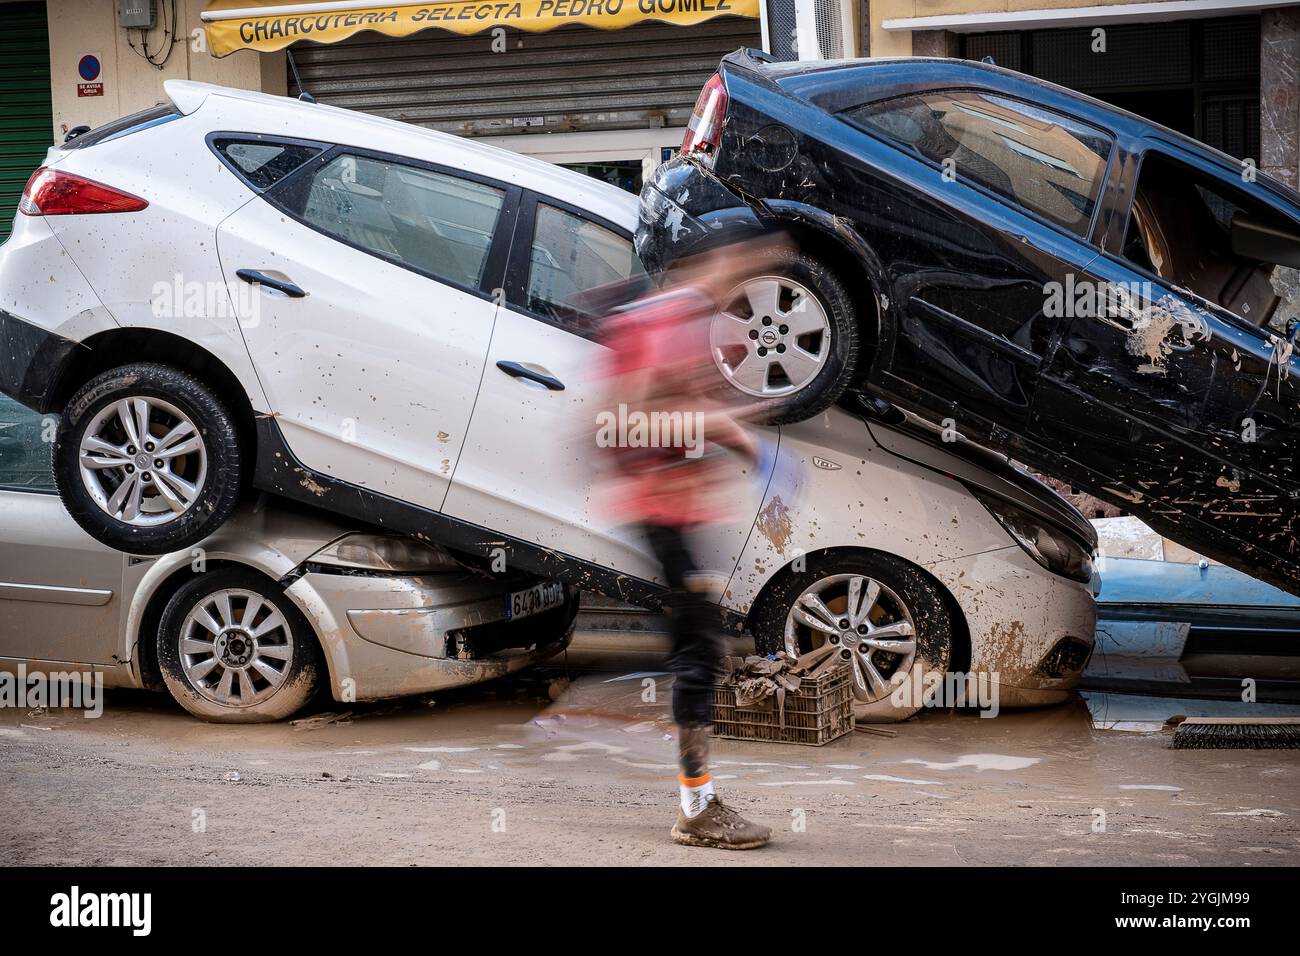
point(660, 373)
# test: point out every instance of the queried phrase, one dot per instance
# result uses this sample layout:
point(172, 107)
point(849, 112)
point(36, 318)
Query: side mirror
point(1256, 239)
point(75, 132)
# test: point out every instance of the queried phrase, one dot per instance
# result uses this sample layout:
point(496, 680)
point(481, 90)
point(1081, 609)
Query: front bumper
point(387, 636)
point(1031, 631)
point(685, 209)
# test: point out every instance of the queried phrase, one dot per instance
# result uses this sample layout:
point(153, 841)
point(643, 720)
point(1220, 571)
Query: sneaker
point(719, 826)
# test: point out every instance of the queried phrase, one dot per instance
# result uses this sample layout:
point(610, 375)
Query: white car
point(250, 623)
point(236, 289)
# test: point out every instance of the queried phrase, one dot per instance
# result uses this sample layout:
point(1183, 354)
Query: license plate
point(534, 600)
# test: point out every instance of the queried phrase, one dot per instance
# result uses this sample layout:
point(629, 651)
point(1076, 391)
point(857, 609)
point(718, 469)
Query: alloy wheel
point(143, 461)
point(771, 338)
point(868, 622)
point(235, 647)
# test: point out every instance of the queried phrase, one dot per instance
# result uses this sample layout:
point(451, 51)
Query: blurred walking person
point(674, 479)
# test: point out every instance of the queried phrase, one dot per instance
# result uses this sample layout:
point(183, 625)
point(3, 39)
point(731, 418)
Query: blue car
point(1104, 299)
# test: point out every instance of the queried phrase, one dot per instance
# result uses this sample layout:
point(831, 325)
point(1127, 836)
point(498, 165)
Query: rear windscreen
point(153, 116)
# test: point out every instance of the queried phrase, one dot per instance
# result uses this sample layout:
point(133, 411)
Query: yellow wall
point(891, 42)
point(78, 27)
point(899, 42)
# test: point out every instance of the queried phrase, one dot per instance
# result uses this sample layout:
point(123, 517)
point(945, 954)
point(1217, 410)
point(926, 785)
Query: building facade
point(1223, 71)
point(606, 86)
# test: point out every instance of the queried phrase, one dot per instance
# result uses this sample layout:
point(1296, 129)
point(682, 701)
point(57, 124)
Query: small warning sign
point(88, 73)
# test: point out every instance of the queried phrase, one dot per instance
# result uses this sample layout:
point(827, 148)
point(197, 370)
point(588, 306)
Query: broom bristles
point(1235, 733)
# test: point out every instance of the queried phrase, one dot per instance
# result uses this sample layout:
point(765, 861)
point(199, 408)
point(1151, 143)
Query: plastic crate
point(817, 713)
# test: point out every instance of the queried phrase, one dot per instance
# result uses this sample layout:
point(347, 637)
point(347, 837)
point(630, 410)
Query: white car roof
point(225, 108)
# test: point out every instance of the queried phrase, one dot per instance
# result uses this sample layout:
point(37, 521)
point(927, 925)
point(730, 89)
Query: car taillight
point(53, 193)
point(704, 132)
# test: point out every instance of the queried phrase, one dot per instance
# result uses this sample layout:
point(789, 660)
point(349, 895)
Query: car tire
point(904, 596)
point(827, 333)
point(96, 487)
point(280, 667)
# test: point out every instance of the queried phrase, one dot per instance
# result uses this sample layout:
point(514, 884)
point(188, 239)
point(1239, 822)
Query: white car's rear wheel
point(147, 459)
point(143, 461)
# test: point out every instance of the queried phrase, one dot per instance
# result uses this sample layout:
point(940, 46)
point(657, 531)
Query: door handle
point(279, 285)
point(515, 370)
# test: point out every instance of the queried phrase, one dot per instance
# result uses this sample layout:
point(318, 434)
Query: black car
point(1102, 298)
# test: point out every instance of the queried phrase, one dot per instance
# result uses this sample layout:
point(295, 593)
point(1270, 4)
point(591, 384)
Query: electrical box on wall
point(135, 14)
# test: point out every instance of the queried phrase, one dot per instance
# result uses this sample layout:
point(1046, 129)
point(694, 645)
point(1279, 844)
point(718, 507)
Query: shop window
point(623, 173)
point(433, 223)
point(572, 256)
point(1201, 234)
point(25, 448)
point(1034, 158)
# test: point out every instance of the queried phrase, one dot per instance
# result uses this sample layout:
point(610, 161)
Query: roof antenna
point(986, 59)
point(297, 80)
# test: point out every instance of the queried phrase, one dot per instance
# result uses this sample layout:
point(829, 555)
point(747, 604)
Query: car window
point(263, 163)
point(431, 222)
point(26, 440)
point(572, 256)
point(1033, 157)
point(1197, 232)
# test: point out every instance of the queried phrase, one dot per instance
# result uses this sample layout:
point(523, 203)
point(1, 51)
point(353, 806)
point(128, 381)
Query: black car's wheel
point(789, 338)
point(146, 459)
point(234, 649)
point(888, 619)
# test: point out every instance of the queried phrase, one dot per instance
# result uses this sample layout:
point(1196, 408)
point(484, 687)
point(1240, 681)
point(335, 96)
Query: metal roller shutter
point(26, 116)
point(570, 79)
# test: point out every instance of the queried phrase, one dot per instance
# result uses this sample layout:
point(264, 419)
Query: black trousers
point(695, 624)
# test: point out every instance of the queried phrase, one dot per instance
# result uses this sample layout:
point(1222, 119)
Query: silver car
point(247, 625)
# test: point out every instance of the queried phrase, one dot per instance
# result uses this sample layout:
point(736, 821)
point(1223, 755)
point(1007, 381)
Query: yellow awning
point(268, 25)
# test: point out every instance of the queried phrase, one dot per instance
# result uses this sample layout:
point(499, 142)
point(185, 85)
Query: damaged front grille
point(1067, 656)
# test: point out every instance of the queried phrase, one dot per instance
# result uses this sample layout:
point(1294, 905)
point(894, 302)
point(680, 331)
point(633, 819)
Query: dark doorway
point(1173, 108)
point(1199, 77)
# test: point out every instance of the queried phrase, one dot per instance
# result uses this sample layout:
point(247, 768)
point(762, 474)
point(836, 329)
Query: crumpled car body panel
point(1182, 412)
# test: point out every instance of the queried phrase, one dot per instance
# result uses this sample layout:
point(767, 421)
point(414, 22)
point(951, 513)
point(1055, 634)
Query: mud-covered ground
point(501, 774)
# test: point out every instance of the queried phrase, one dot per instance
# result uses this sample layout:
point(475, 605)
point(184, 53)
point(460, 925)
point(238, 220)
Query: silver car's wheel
point(771, 338)
point(871, 625)
point(235, 647)
point(143, 461)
